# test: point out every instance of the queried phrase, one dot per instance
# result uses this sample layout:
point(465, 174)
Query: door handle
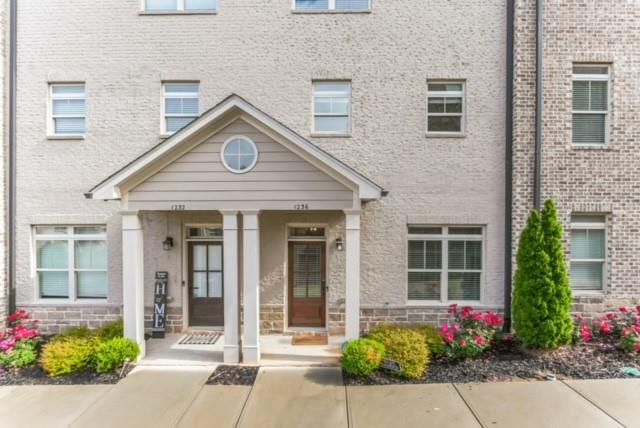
point(324, 285)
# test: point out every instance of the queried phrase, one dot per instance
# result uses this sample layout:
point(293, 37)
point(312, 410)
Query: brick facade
point(54, 319)
point(582, 180)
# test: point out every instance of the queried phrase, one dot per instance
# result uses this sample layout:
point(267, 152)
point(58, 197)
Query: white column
point(133, 278)
point(231, 302)
point(251, 287)
point(352, 260)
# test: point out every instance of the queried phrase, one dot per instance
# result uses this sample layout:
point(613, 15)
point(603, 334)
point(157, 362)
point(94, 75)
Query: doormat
point(199, 339)
point(310, 339)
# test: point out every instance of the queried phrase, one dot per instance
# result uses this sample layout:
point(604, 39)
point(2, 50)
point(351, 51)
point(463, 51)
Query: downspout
point(11, 221)
point(508, 207)
point(537, 169)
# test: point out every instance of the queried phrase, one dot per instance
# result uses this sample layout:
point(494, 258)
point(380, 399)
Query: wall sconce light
point(167, 244)
point(339, 244)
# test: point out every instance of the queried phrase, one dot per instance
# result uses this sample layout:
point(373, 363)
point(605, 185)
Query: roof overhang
point(233, 107)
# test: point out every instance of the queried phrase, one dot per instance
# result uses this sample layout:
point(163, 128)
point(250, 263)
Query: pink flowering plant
point(622, 326)
point(471, 333)
point(19, 343)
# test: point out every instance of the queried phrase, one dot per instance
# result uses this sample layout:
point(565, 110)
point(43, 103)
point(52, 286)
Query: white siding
point(280, 180)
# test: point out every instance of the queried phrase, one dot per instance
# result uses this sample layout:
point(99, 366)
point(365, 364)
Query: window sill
point(446, 135)
point(595, 147)
point(78, 302)
point(65, 137)
point(165, 136)
point(587, 293)
point(328, 135)
point(437, 304)
point(330, 12)
point(178, 12)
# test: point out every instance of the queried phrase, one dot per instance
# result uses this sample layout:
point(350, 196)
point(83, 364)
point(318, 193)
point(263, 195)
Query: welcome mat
point(310, 339)
point(204, 338)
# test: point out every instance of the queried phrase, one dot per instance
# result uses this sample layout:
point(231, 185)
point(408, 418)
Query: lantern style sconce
point(167, 244)
point(339, 244)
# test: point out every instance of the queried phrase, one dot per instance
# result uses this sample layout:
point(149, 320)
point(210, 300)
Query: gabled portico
point(237, 162)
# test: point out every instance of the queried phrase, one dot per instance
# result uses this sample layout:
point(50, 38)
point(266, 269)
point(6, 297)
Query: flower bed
point(473, 350)
point(76, 356)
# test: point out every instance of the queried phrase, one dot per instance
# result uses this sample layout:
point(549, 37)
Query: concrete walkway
point(315, 397)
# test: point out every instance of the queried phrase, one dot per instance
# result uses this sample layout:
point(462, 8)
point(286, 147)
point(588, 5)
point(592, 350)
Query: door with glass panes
point(206, 303)
point(307, 284)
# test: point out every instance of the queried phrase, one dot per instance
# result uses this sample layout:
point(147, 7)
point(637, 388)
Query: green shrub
point(113, 352)
point(68, 354)
point(406, 346)
point(111, 330)
point(24, 353)
point(362, 357)
point(433, 339)
point(74, 332)
point(542, 296)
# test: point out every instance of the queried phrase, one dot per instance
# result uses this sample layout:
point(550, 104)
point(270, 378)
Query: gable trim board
point(210, 123)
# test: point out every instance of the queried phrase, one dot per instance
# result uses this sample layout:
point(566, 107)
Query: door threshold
point(203, 328)
point(307, 330)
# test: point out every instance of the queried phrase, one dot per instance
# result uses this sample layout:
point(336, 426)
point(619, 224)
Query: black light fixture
point(167, 244)
point(339, 244)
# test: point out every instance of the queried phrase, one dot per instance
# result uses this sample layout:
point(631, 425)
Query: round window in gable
point(239, 154)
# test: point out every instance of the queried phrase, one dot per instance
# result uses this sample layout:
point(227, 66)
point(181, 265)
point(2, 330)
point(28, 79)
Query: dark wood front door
point(307, 284)
point(206, 303)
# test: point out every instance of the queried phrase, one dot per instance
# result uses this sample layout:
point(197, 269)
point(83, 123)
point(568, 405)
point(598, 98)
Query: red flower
point(605, 327)
point(466, 311)
point(453, 308)
point(506, 338)
point(612, 316)
point(636, 346)
point(20, 314)
point(477, 316)
point(479, 340)
point(585, 333)
point(463, 342)
point(623, 309)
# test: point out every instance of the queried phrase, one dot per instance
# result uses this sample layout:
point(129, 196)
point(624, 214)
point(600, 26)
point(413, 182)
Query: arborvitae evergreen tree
point(542, 298)
point(560, 305)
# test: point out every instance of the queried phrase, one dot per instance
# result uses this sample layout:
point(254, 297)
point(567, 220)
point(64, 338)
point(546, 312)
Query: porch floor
point(277, 350)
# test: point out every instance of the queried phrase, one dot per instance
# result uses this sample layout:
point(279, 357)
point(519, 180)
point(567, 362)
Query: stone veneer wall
point(582, 180)
point(173, 323)
point(54, 319)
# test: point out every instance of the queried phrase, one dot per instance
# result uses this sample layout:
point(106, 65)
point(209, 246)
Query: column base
point(231, 354)
point(251, 354)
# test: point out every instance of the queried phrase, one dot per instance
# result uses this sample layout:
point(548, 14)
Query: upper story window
point(71, 262)
point(180, 5)
point(332, 108)
point(67, 109)
point(591, 104)
point(588, 252)
point(239, 154)
point(332, 5)
point(445, 263)
point(181, 105)
point(445, 107)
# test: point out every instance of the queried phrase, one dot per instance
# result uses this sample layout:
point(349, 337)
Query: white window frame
point(606, 113)
point(448, 94)
point(444, 270)
point(70, 237)
point(163, 125)
point(336, 94)
point(179, 9)
point(51, 125)
point(605, 267)
point(331, 8)
point(245, 139)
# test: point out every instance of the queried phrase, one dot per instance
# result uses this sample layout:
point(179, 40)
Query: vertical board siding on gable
point(280, 180)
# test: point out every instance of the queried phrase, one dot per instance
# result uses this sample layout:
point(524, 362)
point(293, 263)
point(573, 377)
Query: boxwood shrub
point(404, 345)
point(362, 357)
point(114, 352)
point(68, 354)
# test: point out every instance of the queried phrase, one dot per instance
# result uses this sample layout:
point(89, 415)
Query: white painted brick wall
point(262, 51)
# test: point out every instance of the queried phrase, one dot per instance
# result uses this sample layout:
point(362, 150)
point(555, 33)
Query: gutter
point(508, 206)
point(537, 168)
point(11, 221)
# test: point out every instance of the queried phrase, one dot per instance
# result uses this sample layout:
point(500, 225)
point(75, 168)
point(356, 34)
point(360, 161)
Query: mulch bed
point(508, 362)
point(233, 375)
point(35, 375)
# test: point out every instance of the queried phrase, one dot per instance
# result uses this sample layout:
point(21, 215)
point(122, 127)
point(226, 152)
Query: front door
point(206, 304)
point(307, 284)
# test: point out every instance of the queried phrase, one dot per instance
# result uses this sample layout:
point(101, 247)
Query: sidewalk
point(315, 397)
